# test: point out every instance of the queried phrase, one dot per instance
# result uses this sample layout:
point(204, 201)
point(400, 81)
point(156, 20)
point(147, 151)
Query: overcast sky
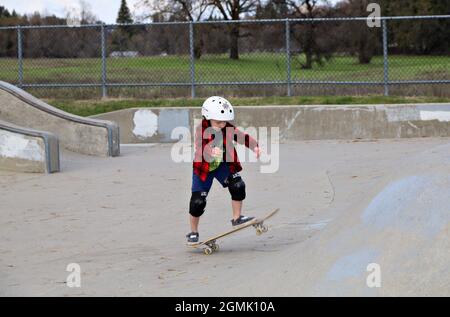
point(105, 10)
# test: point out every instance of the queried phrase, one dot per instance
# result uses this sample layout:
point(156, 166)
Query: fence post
point(288, 57)
point(192, 59)
point(103, 39)
point(20, 55)
point(385, 59)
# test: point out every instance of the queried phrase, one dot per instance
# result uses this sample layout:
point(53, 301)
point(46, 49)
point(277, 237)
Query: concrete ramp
point(399, 244)
point(394, 241)
point(77, 134)
point(27, 150)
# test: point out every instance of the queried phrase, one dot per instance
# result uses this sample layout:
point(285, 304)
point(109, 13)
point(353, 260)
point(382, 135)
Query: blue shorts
point(221, 174)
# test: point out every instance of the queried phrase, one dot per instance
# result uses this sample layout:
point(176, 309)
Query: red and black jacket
point(204, 143)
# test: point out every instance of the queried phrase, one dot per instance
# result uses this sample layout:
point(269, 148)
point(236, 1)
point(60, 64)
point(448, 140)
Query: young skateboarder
point(216, 157)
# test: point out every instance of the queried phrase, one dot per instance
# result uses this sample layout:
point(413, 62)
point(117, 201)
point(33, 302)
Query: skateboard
point(210, 245)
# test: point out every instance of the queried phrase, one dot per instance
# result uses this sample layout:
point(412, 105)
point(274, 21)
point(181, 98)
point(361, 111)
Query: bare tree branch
point(193, 10)
point(232, 9)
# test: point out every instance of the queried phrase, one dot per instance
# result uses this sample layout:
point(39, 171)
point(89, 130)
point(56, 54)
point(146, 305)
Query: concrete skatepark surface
point(343, 205)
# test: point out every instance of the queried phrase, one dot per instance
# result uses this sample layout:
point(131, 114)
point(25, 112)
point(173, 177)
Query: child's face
point(218, 124)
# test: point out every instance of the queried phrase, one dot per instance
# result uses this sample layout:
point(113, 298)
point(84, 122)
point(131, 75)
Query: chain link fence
point(326, 56)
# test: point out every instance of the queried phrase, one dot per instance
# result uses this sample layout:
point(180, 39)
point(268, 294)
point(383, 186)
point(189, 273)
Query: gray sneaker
point(192, 237)
point(241, 220)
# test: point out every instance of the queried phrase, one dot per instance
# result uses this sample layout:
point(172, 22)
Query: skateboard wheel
point(208, 251)
point(259, 231)
point(215, 247)
point(265, 229)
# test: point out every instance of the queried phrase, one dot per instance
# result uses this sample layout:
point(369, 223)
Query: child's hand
point(257, 151)
point(216, 152)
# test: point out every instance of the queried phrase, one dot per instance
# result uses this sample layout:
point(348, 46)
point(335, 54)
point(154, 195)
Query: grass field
point(92, 107)
point(218, 68)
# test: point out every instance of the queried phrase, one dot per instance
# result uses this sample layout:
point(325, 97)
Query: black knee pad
point(236, 187)
point(198, 203)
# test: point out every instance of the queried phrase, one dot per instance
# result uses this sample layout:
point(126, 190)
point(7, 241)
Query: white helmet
point(217, 108)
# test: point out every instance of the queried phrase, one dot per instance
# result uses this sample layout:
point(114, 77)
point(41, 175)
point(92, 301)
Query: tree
point(189, 10)
point(428, 36)
point(268, 36)
point(4, 13)
point(365, 38)
point(232, 10)
point(124, 15)
point(122, 35)
point(196, 10)
point(86, 14)
point(272, 9)
point(307, 33)
point(8, 38)
point(184, 10)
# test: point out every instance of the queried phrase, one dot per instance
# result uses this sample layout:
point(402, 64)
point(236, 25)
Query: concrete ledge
point(27, 150)
point(77, 134)
point(150, 125)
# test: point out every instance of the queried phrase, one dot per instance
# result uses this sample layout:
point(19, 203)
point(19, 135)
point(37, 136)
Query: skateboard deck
point(210, 245)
